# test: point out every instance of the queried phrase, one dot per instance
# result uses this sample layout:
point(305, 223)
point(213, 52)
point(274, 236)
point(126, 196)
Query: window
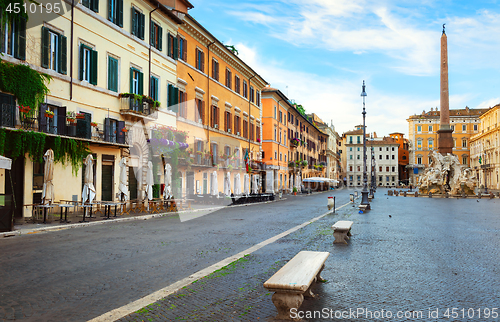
point(200, 60)
point(464, 128)
point(464, 143)
point(115, 12)
point(257, 132)
point(183, 49)
point(275, 134)
point(380, 149)
point(359, 139)
point(358, 149)
point(237, 84)
point(237, 125)
point(137, 22)
point(245, 90)
point(136, 81)
point(112, 74)
point(258, 99)
point(13, 38)
point(156, 36)
point(275, 155)
point(215, 69)
point(54, 51)
point(183, 104)
point(350, 149)
point(358, 157)
point(172, 46)
point(419, 159)
point(430, 128)
point(200, 111)
point(393, 169)
point(215, 116)
point(392, 148)
point(464, 160)
point(419, 144)
point(228, 78)
point(88, 64)
point(350, 156)
point(386, 169)
point(350, 168)
point(281, 117)
point(350, 178)
point(379, 169)
point(281, 156)
point(475, 127)
point(380, 157)
point(419, 128)
point(227, 121)
point(359, 168)
point(387, 157)
point(172, 98)
point(153, 88)
point(453, 127)
point(252, 93)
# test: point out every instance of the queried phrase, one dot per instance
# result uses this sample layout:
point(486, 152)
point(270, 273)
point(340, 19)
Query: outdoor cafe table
point(45, 207)
point(107, 208)
point(65, 206)
point(85, 207)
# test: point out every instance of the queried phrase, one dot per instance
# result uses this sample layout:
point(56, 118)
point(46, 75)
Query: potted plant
point(80, 116)
point(294, 191)
point(124, 130)
point(304, 163)
point(49, 114)
point(94, 124)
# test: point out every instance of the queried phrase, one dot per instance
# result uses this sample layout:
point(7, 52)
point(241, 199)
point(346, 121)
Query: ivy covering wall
point(18, 142)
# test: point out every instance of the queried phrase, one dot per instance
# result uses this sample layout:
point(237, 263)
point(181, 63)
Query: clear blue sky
point(318, 53)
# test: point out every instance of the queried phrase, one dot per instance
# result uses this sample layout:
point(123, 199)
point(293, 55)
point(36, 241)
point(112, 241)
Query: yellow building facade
point(485, 149)
point(108, 88)
point(423, 136)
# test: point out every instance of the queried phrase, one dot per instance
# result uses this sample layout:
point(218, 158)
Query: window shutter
point(184, 49)
point(169, 44)
point(95, 5)
point(196, 56)
point(202, 61)
point(176, 47)
point(42, 120)
point(160, 38)
point(61, 120)
point(86, 3)
point(20, 40)
point(203, 112)
point(141, 82)
point(110, 11)
point(120, 136)
point(45, 47)
point(169, 95)
point(151, 33)
point(131, 80)
point(93, 67)
point(135, 22)
point(119, 13)
point(113, 74)
point(82, 53)
point(62, 54)
point(178, 50)
point(107, 129)
point(142, 19)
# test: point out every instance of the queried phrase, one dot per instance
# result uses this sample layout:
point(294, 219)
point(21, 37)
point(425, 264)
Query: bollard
point(430, 194)
point(416, 194)
point(404, 193)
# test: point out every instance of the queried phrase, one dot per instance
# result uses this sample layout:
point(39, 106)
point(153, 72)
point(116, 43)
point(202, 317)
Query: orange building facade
point(217, 101)
point(403, 156)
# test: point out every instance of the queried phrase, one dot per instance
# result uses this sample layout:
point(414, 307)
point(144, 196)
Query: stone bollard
point(430, 194)
point(491, 195)
point(404, 193)
point(479, 195)
point(463, 195)
point(416, 194)
point(446, 195)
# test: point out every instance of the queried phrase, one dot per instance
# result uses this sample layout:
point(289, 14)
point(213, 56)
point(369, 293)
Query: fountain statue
point(446, 174)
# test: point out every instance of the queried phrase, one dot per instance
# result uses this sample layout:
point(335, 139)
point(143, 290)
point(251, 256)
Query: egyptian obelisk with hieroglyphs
point(445, 139)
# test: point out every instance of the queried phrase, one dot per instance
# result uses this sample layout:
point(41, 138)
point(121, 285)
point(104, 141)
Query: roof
point(353, 132)
point(385, 141)
point(435, 114)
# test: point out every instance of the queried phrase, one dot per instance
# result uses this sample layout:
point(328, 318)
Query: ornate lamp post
point(365, 204)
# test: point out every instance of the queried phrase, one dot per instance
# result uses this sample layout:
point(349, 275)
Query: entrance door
point(189, 184)
point(132, 183)
point(107, 182)
point(16, 185)
point(205, 183)
point(264, 182)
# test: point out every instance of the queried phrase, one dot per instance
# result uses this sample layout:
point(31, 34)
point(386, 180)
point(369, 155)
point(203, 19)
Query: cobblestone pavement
point(414, 258)
point(78, 274)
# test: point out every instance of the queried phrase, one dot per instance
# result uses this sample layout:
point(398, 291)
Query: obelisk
point(445, 138)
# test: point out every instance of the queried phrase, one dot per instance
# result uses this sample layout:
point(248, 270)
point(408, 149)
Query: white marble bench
point(342, 231)
point(294, 281)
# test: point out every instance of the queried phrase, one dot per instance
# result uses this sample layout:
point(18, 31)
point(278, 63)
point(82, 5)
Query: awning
point(319, 179)
point(5, 163)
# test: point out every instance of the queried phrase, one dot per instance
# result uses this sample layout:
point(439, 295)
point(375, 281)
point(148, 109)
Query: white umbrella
point(123, 187)
point(246, 182)
point(48, 175)
point(215, 189)
point(5, 163)
point(255, 188)
point(149, 181)
point(227, 184)
point(237, 184)
point(88, 193)
point(167, 192)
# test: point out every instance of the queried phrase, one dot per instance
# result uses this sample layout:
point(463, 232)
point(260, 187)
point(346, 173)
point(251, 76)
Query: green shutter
point(110, 12)
point(169, 96)
point(20, 39)
point(93, 67)
point(175, 40)
point(175, 99)
point(119, 14)
point(112, 74)
point(94, 5)
point(135, 22)
point(62, 55)
point(141, 25)
point(169, 44)
point(45, 47)
point(160, 38)
point(86, 3)
point(82, 54)
point(151, 33)
point(132, 80)
point(141, 82)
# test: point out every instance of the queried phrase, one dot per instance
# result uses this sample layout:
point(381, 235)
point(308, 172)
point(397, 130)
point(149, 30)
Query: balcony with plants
point(138, 105)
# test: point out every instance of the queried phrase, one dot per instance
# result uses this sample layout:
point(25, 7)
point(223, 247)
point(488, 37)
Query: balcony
point(76, 126)
point(137, 106)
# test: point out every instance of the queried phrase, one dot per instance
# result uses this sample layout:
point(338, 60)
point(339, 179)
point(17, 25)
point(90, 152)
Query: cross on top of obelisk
point(443, 28)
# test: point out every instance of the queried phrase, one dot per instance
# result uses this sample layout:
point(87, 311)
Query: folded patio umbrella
point(48, 175)
point(88, 193)
point(167, 192)
point(246, 184)
point(237, 184)
point(123, 187)
point(255, 187)
point(214, 191)
point(227, 184)
point(149, 181)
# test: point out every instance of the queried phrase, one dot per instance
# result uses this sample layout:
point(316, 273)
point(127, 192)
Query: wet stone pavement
point(409, 259)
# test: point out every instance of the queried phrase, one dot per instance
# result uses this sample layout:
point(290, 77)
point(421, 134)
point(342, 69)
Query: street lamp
point(365, 204)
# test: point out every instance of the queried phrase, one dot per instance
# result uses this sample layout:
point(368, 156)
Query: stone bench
point(294, 281)
point(342, 231)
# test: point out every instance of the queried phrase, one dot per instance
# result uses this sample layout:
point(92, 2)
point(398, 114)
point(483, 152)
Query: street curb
point(102, 222)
